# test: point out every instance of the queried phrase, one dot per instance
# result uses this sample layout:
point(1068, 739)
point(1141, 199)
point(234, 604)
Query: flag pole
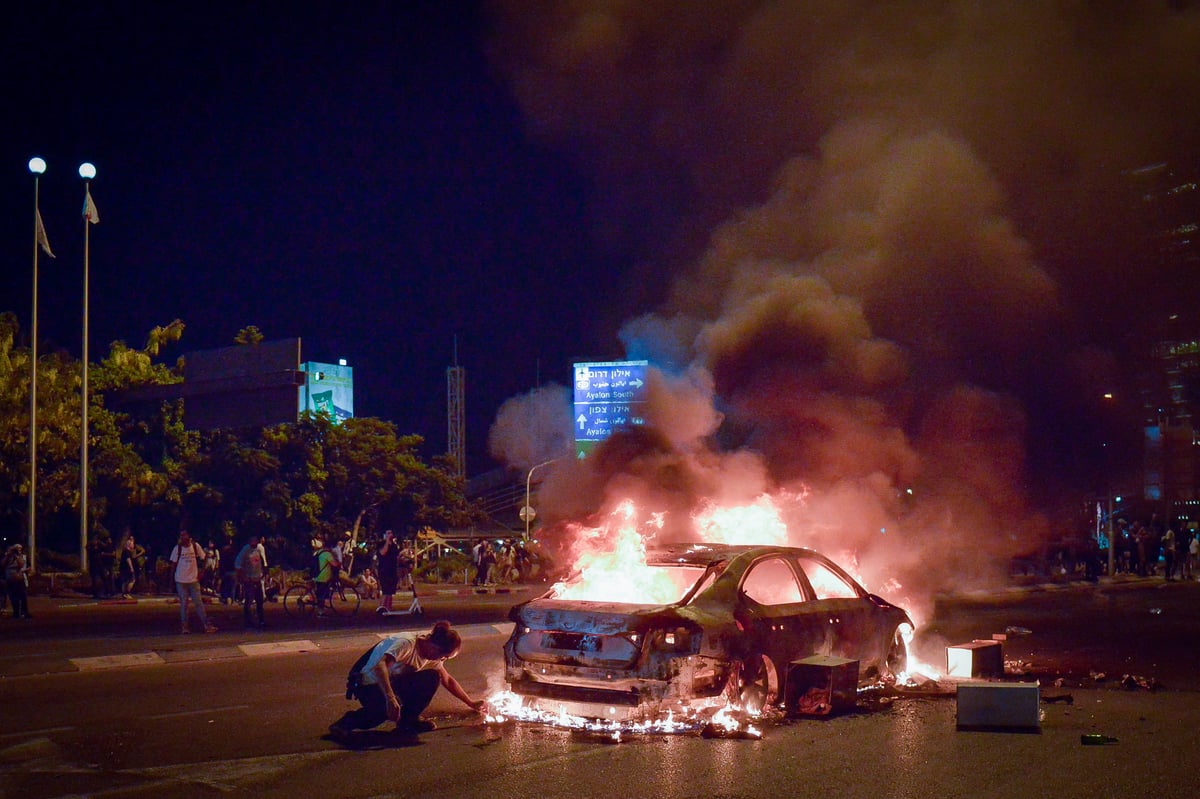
point(37, 166)
point(87, 172)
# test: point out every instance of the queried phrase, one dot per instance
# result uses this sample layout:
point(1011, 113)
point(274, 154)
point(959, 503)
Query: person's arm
point(383, 678)
point(452, 685)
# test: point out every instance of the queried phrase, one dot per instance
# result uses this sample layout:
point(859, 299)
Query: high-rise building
point(1169, 208)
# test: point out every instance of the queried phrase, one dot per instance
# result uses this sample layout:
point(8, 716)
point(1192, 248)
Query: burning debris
point(1134, 682)
point(725, 722)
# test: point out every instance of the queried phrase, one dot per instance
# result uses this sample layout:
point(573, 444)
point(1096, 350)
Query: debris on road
point(1133, 682)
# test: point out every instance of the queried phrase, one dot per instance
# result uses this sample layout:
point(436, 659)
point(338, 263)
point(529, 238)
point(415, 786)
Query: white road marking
point(277, 648)
point(117, 661)
point(200, 712)
point(27, 733)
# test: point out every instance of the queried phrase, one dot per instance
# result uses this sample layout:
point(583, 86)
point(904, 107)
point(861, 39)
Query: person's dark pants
point(252, 591)
point(415, 691)
point(323, 591)
point(102, 583)
point(229, 581)
point(18, 598)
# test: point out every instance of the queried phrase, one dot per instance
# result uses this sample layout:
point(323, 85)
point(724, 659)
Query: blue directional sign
point(609, 395)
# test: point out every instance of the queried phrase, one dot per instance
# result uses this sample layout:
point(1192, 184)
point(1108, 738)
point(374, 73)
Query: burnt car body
point(743, 614)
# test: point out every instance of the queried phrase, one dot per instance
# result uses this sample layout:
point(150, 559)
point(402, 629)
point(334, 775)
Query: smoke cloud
point(895, 241)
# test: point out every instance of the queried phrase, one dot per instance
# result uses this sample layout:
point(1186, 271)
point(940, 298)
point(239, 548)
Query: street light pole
point(37, 166)
point(87, 172)
point(527, 511)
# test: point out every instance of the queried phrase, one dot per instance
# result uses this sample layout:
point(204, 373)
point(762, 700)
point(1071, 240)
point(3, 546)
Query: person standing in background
point(387, 561)
point(186, 559)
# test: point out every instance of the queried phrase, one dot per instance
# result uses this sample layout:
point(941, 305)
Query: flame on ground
point(728, 721)
point(917, 671)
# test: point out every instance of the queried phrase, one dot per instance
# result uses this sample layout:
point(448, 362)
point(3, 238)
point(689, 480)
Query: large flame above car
point(610, 557)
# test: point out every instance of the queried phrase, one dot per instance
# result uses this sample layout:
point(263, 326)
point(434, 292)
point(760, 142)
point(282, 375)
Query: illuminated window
point(827, 584)
point(771, 582)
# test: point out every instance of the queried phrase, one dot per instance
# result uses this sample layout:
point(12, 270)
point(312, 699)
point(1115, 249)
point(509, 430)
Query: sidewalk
point(74, 598)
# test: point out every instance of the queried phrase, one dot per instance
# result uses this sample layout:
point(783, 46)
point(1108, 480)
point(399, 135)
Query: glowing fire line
point(506, 706)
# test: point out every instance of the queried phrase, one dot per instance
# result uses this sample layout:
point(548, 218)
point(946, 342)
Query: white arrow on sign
point(636, 382)
point(581, 421)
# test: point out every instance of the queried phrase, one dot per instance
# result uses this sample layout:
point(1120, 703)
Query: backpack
point(354, 676)
point(314, 567)
point(252, 568)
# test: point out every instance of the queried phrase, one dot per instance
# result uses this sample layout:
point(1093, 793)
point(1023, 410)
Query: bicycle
point(301, 600)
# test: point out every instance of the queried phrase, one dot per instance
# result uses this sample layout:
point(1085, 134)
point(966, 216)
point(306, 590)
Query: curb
point(227, 651)
point(171, 599)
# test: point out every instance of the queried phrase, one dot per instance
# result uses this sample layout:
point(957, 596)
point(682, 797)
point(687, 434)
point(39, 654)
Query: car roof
point(701, 554)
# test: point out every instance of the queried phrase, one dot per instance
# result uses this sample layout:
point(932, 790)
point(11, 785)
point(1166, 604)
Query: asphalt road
point(206, 724)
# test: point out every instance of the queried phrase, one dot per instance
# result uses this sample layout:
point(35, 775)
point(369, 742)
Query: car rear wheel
point(759, 684)
point(896, 661)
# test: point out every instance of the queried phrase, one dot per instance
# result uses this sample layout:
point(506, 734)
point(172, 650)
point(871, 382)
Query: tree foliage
point(149, 475)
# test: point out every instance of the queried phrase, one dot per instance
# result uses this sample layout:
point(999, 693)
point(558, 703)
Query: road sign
point(527, 513)
point(609, 395)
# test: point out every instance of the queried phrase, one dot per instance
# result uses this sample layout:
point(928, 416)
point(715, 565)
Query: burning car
point(720, 626)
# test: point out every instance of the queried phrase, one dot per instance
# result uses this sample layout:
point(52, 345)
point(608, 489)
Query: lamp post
point(527, 512)
point(1108, 494)
point(37, 166)
point(87, 172)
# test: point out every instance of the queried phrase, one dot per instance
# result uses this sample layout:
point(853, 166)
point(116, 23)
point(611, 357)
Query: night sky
point(872, 245)
point(352, 174)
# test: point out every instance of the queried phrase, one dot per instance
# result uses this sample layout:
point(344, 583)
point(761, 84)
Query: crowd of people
point(501, 562)
point(238, 572)
point(1142, 546)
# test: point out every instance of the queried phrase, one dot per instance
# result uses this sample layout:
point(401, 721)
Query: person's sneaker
point(184, 630)
point(338, 731)
point(415, 726)
point(210, 629)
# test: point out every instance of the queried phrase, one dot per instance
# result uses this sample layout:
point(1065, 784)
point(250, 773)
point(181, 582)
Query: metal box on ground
point(1000, 707)
point(820, 685)
point(976, 659)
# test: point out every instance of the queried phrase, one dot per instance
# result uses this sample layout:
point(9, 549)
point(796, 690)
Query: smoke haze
point(886, 248)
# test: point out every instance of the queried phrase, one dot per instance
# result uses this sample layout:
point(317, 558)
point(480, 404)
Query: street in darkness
point(210, 719)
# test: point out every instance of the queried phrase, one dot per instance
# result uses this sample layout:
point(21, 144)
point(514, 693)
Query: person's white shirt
point(187, 565)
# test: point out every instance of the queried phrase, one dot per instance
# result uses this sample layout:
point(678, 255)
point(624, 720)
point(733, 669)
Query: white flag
point(42, 241)
point(89, 210)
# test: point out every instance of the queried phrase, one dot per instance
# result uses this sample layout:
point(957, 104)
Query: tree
point(248, 335)
point(130, 449)
point(58, 436)
point(148, 474)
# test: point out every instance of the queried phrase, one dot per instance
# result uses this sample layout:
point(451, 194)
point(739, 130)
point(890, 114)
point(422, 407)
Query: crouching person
point(396, 679)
